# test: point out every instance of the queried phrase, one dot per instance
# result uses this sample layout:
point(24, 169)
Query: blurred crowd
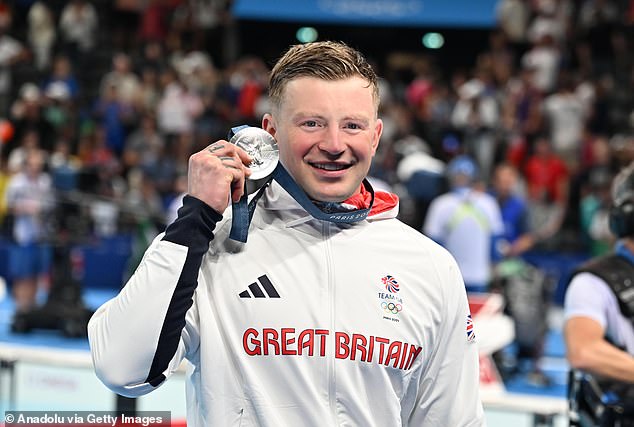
point(546, 112)
point(106, 112)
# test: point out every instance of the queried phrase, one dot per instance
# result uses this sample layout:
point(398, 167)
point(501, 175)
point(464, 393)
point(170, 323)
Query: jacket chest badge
point(390, 301)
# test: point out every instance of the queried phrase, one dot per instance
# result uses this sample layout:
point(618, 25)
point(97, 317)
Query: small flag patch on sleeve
point(470, 329)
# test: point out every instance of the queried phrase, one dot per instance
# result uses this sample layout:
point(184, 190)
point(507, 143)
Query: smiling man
point(333, 313)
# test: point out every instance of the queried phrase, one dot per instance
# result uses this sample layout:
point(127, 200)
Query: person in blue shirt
point(517, 237)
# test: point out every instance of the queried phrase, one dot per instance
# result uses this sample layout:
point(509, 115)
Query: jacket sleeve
point(449, 390)
point(140, 337)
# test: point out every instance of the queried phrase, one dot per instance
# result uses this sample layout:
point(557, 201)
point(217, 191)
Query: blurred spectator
point(594, 212)
point(499, 59)
point(27, 114)
point(78, 27)
point(204, 21)
point(164, 171)
point(178, 107)
point(594, 195)
point(152, 56)
point(122, 78)
point(59, 108)
point(513, 17)
point(566, 113)
point(477, 115)
point(11, 53)
point(521, 112)
point(109, 187)
point(546, 173)
point(114, 115)
point(249, 79)
point(144, 146)
point(62, 74)
point(507, 190)
point(29, 200)
point(547, 181)
point(42, 33)
point(148, 93)
point(93, 149)
point(29, 141)
point(154, 24)
point(422, 175)
point(196, 71)
point(466, 211)
point(64, 167)
point(552, 18)
point(142, 201)
point(544, 59)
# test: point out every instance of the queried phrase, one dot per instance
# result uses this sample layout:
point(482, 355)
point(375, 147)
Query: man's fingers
point(226, 149)
point(244, 156)
point(230, 162)
point(215, 147)
point(224, 164)
point(238, 179)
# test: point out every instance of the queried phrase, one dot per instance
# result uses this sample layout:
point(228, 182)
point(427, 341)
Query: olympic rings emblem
point(390, 307)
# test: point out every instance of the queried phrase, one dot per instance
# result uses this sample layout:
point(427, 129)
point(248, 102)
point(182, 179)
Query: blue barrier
point(559, 265)
point(104, 261)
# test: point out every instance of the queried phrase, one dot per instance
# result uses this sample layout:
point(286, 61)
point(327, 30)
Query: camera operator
point(599, 314)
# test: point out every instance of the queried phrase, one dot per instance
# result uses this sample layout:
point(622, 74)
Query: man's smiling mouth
point(330, 166)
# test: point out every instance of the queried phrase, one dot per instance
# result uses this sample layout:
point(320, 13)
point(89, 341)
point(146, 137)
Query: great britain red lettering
point(313, 342)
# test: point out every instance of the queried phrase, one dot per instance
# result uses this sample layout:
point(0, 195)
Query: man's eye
point(310, 123)
point(353, 126)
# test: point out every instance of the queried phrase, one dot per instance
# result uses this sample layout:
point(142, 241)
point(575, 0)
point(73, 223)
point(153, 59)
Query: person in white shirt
point(468, 222)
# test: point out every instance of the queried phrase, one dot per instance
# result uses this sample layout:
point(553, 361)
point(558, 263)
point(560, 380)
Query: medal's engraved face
point(262, 147)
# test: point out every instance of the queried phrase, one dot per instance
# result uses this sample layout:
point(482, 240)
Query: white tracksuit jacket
point(309, 323)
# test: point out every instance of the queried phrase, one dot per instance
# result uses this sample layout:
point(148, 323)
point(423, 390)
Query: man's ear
point(378, 130)
point(268, 124)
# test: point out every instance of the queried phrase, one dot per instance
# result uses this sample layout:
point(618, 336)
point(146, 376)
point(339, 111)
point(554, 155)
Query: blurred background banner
point(372, 12)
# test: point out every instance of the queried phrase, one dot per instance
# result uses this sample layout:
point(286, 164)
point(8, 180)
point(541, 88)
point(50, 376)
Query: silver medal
point(262, 147)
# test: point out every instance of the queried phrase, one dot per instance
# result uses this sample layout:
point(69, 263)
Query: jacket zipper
point(332, 379)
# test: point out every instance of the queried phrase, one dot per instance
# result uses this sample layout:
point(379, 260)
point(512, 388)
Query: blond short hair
point(325, 60)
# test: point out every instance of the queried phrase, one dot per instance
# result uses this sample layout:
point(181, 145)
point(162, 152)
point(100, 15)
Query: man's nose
point(333, 143)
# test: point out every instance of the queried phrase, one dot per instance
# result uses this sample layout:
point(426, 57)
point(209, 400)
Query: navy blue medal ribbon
point(288, 183)
point(243, 212)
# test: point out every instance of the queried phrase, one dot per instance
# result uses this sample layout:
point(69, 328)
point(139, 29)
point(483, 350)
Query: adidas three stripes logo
point(267, 289)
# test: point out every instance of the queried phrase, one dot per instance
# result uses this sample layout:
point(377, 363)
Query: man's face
point(504, 181)
point(327, 132)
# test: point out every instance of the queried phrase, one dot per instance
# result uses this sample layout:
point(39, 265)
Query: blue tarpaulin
point(412, 13)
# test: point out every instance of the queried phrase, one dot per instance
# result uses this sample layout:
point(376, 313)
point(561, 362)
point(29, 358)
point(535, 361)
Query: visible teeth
point(329, 166)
